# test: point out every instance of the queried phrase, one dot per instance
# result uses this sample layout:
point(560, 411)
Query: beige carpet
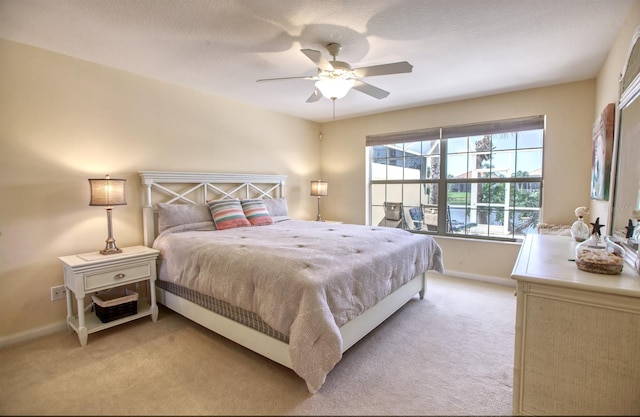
point(449, 354)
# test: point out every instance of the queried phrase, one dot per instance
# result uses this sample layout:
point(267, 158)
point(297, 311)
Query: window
point(481, 181)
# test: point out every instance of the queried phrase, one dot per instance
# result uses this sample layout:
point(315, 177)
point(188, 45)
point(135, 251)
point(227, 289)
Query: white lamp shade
point(107, 192)
point(334, 88)
point(319, 188)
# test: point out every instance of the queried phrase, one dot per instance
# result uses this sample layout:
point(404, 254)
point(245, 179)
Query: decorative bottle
point(599, 255)
point(579, 230)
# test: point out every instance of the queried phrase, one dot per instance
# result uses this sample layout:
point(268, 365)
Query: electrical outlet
point(58, 292)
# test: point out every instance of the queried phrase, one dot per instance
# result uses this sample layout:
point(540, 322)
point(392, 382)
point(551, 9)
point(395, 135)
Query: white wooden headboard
point(199, 187)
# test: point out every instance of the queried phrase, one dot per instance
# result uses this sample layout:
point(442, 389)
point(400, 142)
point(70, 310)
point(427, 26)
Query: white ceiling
point(458, 48)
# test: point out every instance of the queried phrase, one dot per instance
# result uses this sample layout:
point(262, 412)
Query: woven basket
point(608, 264)
point(115, 304)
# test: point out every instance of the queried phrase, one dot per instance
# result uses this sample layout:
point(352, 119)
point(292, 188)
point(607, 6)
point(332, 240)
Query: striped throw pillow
point(228, 214)
point(256, 212)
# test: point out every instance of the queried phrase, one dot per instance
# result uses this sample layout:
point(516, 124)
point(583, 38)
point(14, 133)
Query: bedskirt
point(223, 308)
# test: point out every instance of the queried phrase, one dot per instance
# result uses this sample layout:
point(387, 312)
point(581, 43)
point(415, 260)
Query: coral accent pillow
point(228, 214)
point(256, 212)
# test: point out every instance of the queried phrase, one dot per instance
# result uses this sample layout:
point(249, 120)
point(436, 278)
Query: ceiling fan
point(335, 78)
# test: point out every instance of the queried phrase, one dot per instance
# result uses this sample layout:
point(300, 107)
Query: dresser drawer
point(117, 276)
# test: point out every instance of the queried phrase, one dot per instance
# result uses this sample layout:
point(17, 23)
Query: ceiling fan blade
point(315, 96)
point(384, 69)
point(317, 59)
point(370, 90)
point(304, 77)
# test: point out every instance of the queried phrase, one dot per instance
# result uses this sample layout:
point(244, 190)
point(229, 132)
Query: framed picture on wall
point(602, 154)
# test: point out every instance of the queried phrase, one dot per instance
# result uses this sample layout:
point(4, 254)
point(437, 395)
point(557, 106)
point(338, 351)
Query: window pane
point(433, 167)
point(526, 202)
point(431, 151)
point(413, 148)
point(412, 195)
point(394, 193)
point(530, 139)
point(378, 171)
point(378, 194)
point(458, 220)
point(430, 217)
point(414, 167)
point(377, 215)
point(493, 193)
point(457, 145)
point(527, 195)
point(458, 194)
point(480, 143)
point(394, 169)
point(503, 141)
point(425, 157)
point(379, 154)
point(457, 166)
point(529, 163)
point(480, 216)
point(503, 163)
point(458, 197)
point(431, 147)
point(430, 194)
point(415, 217)
point(525, 222)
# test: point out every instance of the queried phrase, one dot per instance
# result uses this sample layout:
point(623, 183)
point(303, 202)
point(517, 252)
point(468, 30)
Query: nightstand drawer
point(117, 276)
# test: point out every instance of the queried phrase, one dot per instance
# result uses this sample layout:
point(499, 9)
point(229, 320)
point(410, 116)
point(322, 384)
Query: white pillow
point(276, 206)
point(183, 217)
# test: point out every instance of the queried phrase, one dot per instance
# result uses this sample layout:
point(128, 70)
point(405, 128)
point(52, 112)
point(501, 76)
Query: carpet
point(449, 354)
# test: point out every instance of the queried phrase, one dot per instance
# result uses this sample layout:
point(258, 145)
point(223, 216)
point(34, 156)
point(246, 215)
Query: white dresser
point(577, 348)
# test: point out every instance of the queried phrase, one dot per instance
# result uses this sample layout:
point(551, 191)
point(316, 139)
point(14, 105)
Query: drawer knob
point(118, 276)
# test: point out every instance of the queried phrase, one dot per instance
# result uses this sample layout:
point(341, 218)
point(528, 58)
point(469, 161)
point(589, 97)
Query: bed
point(297, 292)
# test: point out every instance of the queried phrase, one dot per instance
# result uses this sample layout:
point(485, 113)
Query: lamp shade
point(107, 192)
point(334, 88)
point(319, 188)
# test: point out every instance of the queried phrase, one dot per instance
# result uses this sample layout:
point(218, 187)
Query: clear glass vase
point(579, 230)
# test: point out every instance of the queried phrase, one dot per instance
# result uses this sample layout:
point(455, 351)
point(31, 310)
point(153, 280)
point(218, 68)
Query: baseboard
point(485, 278)
point(12, 339)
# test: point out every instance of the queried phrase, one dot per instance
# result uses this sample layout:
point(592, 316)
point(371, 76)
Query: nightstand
point(91, 272)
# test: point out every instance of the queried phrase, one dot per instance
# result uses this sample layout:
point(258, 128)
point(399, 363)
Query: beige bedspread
point(304, 278)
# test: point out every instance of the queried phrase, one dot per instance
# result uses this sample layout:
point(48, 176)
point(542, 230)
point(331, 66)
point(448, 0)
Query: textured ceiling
point(458, 48)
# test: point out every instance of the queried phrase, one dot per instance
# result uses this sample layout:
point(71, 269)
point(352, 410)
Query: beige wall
point(607, 89)
point(567, 160)
point(64, 120)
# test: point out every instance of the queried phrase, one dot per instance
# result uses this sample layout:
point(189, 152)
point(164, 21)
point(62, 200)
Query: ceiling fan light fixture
point(334, 88)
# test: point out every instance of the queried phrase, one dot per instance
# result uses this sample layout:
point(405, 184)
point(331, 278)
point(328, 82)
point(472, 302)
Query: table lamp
point(319, 189)
point(108, 192)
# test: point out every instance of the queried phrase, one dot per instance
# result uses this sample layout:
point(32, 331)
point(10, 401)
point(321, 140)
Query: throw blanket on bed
point(303, 278)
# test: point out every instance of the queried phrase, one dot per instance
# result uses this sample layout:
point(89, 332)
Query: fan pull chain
point(334, 108)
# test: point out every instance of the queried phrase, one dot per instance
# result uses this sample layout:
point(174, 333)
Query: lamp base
point(110, 251)
point(319, 217)
point(111, 248)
